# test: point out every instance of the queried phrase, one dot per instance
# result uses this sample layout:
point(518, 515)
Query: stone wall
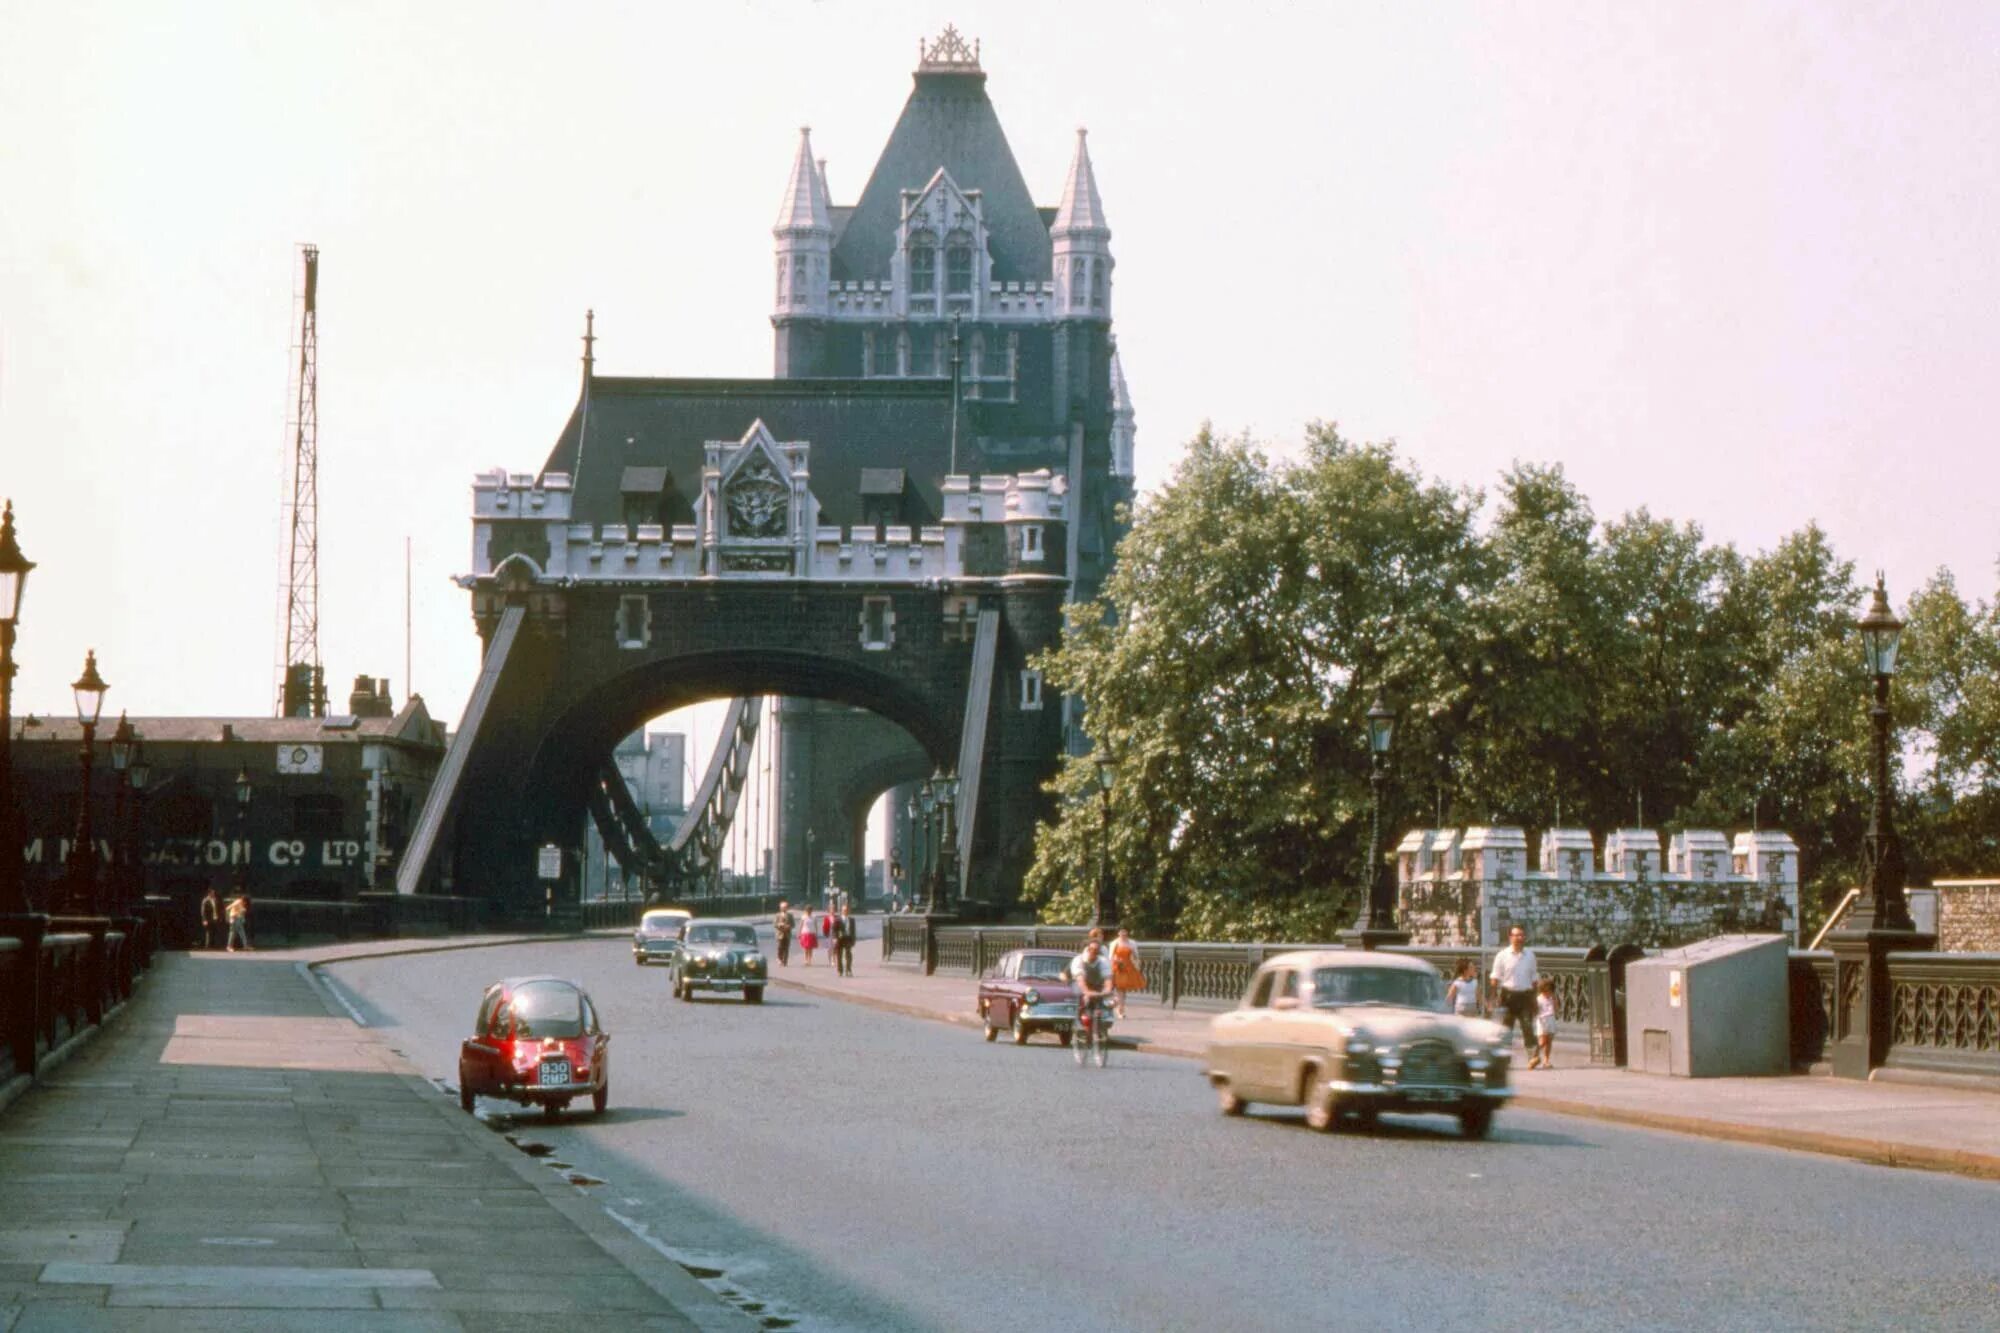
point(1471, 886)
point(1968, 915)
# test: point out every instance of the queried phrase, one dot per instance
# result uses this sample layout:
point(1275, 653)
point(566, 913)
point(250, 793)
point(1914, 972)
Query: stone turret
point(804, 234)
point(1082, 241)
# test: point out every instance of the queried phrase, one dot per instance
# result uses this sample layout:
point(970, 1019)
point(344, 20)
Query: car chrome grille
point(1432, 1064)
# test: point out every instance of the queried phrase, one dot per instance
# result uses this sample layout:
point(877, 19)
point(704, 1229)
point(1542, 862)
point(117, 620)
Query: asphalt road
point(830, 1166)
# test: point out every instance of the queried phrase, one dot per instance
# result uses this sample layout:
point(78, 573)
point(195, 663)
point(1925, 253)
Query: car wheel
point(1322, 1107)
point(753, 994)
point(1020, 1030)
point(991, 1031)
point(465, 1097)
point(600, 1097)
point(1476, 1121)
point(1228, 1101)
point(551, 1109)
point(1066, 1037)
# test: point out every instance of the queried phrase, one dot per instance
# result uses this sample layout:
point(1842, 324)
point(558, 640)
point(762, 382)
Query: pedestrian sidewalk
point(229, 1154)
point(1898, 1124)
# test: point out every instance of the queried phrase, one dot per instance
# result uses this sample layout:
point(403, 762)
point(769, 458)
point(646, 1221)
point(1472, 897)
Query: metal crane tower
point(301, 680)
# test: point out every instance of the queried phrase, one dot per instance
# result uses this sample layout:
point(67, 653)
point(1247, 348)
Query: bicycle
point(1093, 1031)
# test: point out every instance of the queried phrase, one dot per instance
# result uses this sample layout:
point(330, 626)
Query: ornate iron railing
point(1945, 1012)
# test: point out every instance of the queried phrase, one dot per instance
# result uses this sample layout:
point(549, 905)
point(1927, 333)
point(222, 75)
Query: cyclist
point(1090, 972)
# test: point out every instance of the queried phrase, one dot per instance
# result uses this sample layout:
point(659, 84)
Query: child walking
point(1545, 1026)
point(1463, 993)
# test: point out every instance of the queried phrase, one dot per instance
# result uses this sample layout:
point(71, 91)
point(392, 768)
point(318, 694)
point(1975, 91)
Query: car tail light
point(526, 1056)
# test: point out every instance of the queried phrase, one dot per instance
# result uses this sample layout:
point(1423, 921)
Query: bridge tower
point(945, 269)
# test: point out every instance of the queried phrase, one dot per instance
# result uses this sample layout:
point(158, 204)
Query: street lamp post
point(947, 857)
point(1105, 912)
point(244, 793)
point(138, 774)
point(121, 762)
point(14, 569)
point(927, 794)
point(1880, 923)
point(89, 689)
point(1379, 927)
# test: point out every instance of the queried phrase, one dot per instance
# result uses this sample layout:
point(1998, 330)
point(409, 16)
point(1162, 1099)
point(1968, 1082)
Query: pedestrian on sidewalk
point(843, 942)
point(1515, 976)
point(1125, 973)
point(808, 937)
point(1463, 993)
point(781, 926)
point(239, 922)
point(211, 918)
point(1545, 1026)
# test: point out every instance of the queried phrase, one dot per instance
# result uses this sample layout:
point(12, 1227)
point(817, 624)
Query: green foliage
point(1540, 661)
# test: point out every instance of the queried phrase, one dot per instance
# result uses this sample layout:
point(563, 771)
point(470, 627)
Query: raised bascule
point(884, 535)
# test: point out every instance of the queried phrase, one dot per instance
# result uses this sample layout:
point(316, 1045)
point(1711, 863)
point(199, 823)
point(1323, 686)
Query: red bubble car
point(537, 1041)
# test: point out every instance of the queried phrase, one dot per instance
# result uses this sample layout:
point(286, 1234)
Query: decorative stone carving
point(758, 500)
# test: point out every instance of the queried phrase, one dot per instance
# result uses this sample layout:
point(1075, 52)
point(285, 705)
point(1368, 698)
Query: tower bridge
point(882, 536)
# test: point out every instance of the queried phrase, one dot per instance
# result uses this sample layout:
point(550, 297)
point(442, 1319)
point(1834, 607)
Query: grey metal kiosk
point(1712, 1009)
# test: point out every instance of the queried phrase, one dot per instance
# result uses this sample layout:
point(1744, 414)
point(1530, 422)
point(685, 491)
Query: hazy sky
point(1733, 261)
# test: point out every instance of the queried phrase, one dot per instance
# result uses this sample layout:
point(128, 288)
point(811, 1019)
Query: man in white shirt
point(1514, 976)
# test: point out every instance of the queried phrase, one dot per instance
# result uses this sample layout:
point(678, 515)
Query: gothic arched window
point(958, 270)
point(781, 279)
point(1079, 282)
point(923, 267)
point(1097, 287)
point(798, 280)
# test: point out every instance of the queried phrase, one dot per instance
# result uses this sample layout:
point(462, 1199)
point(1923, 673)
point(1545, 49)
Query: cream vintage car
point(1347, 1033)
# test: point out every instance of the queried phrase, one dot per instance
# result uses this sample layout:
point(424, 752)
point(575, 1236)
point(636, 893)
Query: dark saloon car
point(1026, 993)
point(658, 937)
point(537, 1041)
point(720, 956)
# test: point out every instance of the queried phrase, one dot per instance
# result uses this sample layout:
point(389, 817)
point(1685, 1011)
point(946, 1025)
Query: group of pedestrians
point(831, 929)
point(1098, 971)
point(1521, 997)
point(214, 912)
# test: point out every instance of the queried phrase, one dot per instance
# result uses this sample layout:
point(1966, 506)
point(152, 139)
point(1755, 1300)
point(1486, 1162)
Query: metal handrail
point(1833, 918)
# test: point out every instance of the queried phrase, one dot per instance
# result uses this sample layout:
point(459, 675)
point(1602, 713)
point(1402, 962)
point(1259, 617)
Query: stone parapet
point(1471, 886)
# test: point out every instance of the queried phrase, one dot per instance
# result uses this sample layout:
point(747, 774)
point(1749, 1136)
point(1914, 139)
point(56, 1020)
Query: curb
point(668, 1280)
point(1981, 1166)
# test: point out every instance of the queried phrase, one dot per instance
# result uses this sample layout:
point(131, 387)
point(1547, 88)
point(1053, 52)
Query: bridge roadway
point(841, 1167)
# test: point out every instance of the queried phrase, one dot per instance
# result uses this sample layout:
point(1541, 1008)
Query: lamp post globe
point(14, 568)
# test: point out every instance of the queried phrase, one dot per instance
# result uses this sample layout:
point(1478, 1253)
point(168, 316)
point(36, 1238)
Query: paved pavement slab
point(233, 1152)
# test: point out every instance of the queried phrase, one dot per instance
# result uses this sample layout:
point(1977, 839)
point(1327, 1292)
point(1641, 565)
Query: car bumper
point(646, 955)
point(534, 1094)
point(1390, 1097)
point(1049, 1016)
point(695, 981)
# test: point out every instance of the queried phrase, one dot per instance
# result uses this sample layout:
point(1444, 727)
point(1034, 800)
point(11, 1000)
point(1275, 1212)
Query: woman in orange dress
point(1125, 973)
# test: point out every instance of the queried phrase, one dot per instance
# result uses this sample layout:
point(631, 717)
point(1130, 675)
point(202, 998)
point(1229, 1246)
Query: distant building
point(331, 800)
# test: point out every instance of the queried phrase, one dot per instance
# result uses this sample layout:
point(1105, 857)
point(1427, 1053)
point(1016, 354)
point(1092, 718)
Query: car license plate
point(555, 1073)
point(1429, 1094)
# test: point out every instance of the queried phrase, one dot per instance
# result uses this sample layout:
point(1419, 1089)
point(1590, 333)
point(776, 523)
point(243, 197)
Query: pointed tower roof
point(948, 122)
point(1121, 394)
point(806, 207)
point(1081, 210)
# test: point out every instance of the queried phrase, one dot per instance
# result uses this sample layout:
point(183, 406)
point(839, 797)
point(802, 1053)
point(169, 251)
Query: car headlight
point(1359, 1043)
point(1032, 998)
point(754, 961)
point(701, 962)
